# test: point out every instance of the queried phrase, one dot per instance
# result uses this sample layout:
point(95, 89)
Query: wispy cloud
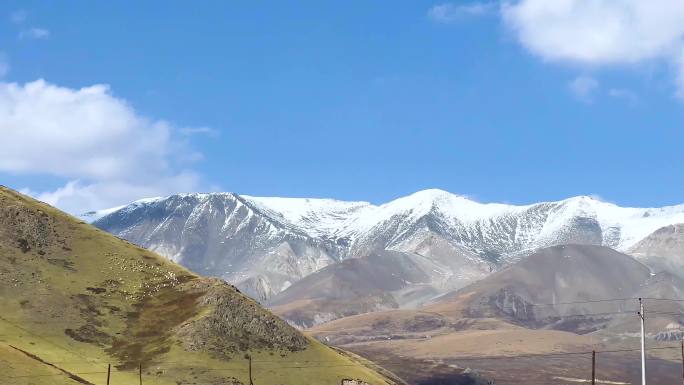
point(450, 13)
point(198, 131)
point(624, 94)
point(34, 33)
point(584, 87)
point(18, 16)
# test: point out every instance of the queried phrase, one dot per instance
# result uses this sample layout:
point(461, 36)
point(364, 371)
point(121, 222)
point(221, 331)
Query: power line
point(663, 299)
point(590, 314)
point(380, 364)
point(315, 363)
point(600, 301)
point(584, 302)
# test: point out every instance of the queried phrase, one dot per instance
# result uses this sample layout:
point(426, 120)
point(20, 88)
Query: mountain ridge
point(300, 217)
point(264, 245)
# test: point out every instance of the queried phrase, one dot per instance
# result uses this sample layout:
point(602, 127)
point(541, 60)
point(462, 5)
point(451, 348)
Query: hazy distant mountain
point(382, 280)
point(551, 287)
point(264, 245)
point(557, 275)
point(569, 298)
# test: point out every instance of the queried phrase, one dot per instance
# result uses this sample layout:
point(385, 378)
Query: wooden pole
point(140, 372)
point(250, 369)
point(642, 315)
point(109, 370)
point(593, 367)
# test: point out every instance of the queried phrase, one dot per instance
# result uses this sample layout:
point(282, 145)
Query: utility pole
point(249, 357)
point(109, 370)
point(593, 367)
point(682, 361)
point(643, 343)
point(140, 372)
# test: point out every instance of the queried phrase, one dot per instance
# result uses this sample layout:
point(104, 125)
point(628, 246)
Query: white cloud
point(584, 88)
point(624, 94)
point(34, 33)
point(601, 32)
point(198, 131)
point(78, 197)
point(449, 13)
point(18, 16)
point(110, 153)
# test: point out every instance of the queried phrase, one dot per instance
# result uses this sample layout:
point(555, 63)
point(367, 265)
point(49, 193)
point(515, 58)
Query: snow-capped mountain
point(266, 244)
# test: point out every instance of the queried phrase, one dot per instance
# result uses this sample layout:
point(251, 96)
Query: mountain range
point(265, 245)
point(425, 281)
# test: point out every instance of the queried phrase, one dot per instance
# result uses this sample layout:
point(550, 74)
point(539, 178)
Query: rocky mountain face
point(576, 288)
point(561, 299)
point(565, 279)
point(264, 245)
point(224, 235)
point(663, 250)
point(580, 289)
point(379, 281)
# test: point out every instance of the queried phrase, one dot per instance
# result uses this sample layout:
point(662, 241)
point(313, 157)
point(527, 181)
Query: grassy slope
point(79, 299)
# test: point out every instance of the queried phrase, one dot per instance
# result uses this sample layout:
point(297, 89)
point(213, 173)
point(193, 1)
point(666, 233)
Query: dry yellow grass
point(75, 299)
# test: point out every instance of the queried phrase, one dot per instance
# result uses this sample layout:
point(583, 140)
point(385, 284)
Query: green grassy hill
point(74, 299)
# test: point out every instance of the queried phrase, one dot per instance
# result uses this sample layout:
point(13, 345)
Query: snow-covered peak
point(620, 227)
point(317, 217)
point(422, 203)
point(629, 224)
point(585, 203)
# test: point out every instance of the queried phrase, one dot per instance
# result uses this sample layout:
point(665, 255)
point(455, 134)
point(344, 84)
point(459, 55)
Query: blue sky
point(352, 100)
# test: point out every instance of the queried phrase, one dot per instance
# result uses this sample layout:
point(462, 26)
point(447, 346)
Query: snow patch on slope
point(316, 217)
point(533, 225)
point(627, 224)
point(92, 216)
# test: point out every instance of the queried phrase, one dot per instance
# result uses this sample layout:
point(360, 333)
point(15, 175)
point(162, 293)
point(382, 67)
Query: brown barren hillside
point(503, 327)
